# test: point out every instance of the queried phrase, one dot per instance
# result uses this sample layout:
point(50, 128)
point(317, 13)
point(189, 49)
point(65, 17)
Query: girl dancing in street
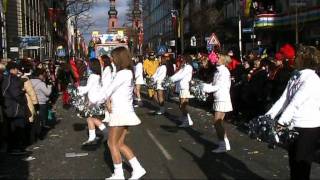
point(158, 78)
point(220, 87)
point(92, 90)
point(122, 114)
point(183, 78)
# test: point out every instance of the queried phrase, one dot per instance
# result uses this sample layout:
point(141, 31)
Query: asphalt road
point(166, 151)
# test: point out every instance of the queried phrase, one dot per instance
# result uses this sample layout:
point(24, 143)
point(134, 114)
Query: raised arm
point(181, 74)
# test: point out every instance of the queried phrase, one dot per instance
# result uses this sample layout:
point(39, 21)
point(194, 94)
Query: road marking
point(163, 150)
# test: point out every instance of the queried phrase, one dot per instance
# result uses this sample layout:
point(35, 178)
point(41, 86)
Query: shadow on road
point(79, 126)
point(13, 167)
point(218, 166)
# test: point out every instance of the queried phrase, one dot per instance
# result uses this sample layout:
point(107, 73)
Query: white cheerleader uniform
point(93, 86)
point(220, 87)
point(159, 76)
point(120, 92)
point(183, 78)
point(138, 72)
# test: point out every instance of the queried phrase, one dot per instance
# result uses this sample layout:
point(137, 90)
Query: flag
point(4, 5)
point(247, 7)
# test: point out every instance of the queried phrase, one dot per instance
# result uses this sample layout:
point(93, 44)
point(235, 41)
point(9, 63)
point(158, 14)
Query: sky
point(99, 13)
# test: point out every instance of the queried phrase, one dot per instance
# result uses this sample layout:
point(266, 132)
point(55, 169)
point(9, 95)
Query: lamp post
point(174, 16)
point(182, 26)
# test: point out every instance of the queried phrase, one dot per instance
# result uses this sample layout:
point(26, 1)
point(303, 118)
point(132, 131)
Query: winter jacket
point(220, 86)
point(150, 66)
point(15, 102)
point(31, 97)
point(183, 77)
point(299, 105)
point(42, 90)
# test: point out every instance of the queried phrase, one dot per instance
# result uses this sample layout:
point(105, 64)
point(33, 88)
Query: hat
point(279, 56)
point(288, 51)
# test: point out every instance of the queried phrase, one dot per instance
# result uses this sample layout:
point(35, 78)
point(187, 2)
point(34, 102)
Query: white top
point(92, 89)
point(107, 76)
point(183, 77)
point(120, 92)
point(138, 72)
point(160, 74)
point(220, 86)
point(300, 101)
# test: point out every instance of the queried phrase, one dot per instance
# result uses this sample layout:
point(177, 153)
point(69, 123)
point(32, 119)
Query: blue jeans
point(43, 114)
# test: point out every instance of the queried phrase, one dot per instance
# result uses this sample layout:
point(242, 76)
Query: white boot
point(138, 171)
point(189, 120)
point(118, 172)
point(227, 143)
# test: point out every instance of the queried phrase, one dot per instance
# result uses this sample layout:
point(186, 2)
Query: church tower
point(113, 19)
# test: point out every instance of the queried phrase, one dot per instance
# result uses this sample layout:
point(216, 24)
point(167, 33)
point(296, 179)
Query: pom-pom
point(264, 128)
point(196, 90)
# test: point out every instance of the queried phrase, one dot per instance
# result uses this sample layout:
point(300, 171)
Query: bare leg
point(90, 122)
point(124, 149)
point(138, 90)
point(115, 134)
point(218, 124)
point(160, 96)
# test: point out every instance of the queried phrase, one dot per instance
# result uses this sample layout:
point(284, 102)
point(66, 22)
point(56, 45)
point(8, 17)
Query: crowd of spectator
point(29, 90)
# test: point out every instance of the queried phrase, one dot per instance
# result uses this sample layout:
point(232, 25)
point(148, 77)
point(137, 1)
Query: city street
point(167, 152)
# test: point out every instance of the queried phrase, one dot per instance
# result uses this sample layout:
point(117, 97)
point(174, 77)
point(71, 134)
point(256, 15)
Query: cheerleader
point(183, 78)
point(91, 89)
point(299, 108)
point(158, 78)
point(138, 72)
point(107, 70)
point(220, 87)
point(122, 114)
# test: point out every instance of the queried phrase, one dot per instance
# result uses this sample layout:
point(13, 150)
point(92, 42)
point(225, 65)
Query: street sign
point(247, 30)
point(31, 42)
point(193, 41)
point(173, 43)
point(298, 3)
point(14, 49)
point(162, 49)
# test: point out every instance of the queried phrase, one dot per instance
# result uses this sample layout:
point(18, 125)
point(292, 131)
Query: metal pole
point(40, 54)
point(240, 38)
point(182, 26)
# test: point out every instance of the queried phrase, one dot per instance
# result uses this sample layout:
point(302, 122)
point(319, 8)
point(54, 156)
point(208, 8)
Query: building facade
point(43, 18)
point(157, 23)
point(3, 33)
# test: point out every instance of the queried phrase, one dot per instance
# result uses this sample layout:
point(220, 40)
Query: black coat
point(13, 97)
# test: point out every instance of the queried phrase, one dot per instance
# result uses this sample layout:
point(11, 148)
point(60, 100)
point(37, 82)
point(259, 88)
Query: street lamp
point(174, 16)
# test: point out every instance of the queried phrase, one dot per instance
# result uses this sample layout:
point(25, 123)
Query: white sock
point(135, 163)
point(118, 169)
point(92, 134)
point(102, 127)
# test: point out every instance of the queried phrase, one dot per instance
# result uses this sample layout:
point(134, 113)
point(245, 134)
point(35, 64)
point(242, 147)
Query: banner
point(247, 7)
point(4, 5)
